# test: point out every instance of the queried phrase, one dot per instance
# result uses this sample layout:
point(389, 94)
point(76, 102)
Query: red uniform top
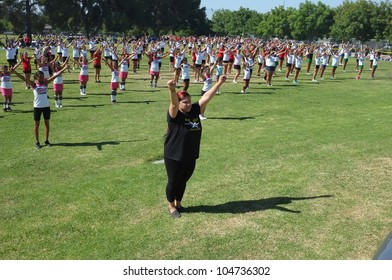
point(26, 66)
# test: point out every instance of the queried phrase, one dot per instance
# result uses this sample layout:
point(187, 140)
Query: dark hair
point(39, 72)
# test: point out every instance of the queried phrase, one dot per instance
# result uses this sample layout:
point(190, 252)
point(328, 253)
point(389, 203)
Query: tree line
point(361, 19)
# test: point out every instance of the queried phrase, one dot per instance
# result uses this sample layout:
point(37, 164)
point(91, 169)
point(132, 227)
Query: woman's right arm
point(22, 77)
point(174, 103)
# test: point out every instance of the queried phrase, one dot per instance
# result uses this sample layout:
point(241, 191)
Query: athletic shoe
point(314, 81)
point(37, 145)
point(295, 82)
point(287, 79)
point(47, 144)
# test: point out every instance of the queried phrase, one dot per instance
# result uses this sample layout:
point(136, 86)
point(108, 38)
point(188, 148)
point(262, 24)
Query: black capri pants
point(178, 173)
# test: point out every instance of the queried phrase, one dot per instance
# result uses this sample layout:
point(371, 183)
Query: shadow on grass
point(245, 206)
point(99, 145)
point(234, 118)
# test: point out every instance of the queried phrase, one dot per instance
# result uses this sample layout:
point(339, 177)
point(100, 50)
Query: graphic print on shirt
point(193, 124)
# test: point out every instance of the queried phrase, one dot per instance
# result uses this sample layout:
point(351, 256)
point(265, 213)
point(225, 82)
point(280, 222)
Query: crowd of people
point(201, 59)
point(192, 59)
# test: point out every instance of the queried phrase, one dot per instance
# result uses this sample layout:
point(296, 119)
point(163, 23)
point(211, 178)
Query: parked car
point(384, 252)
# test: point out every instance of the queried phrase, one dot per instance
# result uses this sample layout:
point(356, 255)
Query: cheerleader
point(6, 88)
point(124, 66)
point(376, 60)
point(41, 103)
point(58, 85)
point(207, 85)
point(115, 79)
point(83, 75)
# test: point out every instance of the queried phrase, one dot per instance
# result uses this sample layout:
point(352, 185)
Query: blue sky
point(261, 6)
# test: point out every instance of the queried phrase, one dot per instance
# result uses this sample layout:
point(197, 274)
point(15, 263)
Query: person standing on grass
point(269, 66)
point(97, 64)
point(182, 143)
point(155, 68)
point(83, 75)
point(317, 63)
point(58, 84)
point(41, 102)
point(185, 76)
point(376, 60)
point(178, 57)
point(335, 63)
point(207, 84)
point(26, 66)
point(361, 62)
point(297, 65)
point(238, 59)
point(324, 62)
point(6, 88)
point(247, 76)
point(115, 78)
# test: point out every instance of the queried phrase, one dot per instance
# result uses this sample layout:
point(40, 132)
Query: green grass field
point(286, 172)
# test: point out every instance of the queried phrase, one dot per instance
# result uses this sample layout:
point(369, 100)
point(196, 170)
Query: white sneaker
point(314, 81)
point(202, 117)
point(295, 82)
point(243, 91)
point(56, 105)
point(235, 82)
point(287, 79)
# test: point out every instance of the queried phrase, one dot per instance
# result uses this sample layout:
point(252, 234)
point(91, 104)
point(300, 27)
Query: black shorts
point(98, 66)
point(38, 111)
point(12, 61)
point(270, 68)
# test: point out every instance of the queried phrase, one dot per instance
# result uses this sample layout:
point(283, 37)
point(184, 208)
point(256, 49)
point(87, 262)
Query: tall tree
point(21, 13)
point(353, 20)
point(221, 20)
point(244, 21)
point(382, 23)
point(311, 21)
point(276, 23)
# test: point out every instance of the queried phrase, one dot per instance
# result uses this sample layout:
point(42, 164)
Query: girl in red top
point(26, 66)
point(97, 64)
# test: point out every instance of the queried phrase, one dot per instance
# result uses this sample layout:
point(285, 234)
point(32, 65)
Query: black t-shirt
point(183, 135)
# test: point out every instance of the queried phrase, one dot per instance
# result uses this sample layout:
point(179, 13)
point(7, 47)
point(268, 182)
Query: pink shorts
point(154, 73)
point(83, 78)
point(114, 85)
point(58, 87)
point(6, 92)
point(123, 75)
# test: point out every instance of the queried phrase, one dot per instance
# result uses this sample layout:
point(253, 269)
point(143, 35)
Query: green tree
point(354, 20)
point(311, 21)
point(23, 15)
point(276, 23)
point(221, 21)
point(382, 23)
point(244, 21)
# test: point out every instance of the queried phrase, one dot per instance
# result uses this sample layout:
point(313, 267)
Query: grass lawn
point(285, 172)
